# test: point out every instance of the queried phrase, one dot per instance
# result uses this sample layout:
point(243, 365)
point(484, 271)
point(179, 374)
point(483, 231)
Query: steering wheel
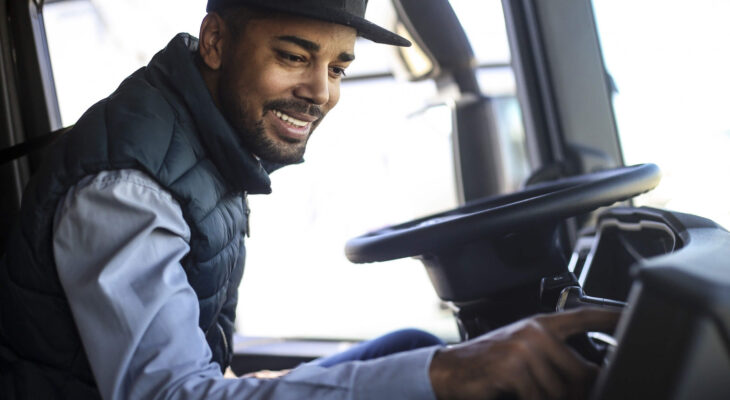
point(490, 217)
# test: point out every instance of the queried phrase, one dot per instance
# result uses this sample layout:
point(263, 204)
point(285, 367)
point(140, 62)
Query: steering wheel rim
point(537, 204)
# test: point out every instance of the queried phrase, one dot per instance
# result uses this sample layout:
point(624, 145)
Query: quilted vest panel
point(148, 125)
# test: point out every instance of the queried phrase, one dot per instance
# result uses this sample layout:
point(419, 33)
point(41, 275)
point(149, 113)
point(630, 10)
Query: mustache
point(294, 106)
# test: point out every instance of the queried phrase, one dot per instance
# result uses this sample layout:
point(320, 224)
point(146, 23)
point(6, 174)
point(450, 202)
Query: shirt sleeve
point(118, 240)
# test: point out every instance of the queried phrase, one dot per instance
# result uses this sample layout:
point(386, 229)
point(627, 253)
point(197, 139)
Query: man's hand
point(266, 374)
point(528, 358)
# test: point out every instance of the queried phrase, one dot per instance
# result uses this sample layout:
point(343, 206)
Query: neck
point(210, 77)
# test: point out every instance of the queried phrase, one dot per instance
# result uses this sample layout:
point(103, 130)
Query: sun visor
point(434, 51)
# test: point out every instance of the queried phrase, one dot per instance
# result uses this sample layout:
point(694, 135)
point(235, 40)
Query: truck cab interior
point(523, 202)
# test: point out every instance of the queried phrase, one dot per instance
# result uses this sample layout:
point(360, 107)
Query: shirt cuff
point(399, 376)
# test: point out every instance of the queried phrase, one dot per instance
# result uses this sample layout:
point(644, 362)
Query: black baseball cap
point(344, 12)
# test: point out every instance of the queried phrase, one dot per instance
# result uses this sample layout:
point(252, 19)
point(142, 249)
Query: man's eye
point(290, 57)
point(338, 72)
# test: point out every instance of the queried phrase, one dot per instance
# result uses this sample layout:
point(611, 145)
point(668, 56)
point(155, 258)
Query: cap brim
point(365, 28)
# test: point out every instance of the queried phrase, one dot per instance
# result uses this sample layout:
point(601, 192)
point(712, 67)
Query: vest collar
point(173, 70)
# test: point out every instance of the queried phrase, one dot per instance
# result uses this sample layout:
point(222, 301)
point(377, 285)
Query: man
point(120, 280)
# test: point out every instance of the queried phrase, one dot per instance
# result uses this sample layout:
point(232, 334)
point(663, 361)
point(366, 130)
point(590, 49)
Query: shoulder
point(138, 103)
point(124, 196)
point(138, 126)
point(124, 178)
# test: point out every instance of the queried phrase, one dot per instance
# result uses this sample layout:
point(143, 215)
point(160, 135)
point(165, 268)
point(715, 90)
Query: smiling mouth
point(288, 119)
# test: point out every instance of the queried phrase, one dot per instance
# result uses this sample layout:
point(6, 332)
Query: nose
point(314, 87)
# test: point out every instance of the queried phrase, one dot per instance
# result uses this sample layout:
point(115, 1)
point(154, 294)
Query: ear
point(212, 36)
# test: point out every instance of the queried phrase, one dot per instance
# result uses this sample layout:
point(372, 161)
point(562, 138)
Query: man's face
point(279, 78)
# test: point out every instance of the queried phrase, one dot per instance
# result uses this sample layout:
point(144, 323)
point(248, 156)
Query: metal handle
point(573, 297)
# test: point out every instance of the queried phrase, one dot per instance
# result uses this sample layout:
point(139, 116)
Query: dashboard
point(672, 272)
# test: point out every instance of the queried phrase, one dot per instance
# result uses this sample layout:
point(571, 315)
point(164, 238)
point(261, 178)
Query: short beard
point(252, 133)
point(250, 127)
point(257, 142)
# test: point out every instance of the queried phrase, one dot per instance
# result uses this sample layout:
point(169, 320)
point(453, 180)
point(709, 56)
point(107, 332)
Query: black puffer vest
point(163, 122)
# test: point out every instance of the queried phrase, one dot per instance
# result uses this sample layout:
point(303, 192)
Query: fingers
point(528, 358)
point(566, 324)
point(549, 384)
point(556, 370)
point(559, 354)
point(577, 373)
point(528, 386)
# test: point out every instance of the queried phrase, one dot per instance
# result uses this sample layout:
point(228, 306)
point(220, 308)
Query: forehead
point(328, 36)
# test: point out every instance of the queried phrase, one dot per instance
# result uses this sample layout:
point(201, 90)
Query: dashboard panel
point(673, 271)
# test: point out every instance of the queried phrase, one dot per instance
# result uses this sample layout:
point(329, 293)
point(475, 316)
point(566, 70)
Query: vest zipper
point(247, 213)
point(223, 335)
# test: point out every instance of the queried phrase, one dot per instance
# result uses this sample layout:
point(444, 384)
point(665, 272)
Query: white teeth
point(290, 120)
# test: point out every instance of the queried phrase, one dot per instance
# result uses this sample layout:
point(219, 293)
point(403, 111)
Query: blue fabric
point(126, 289)
point(161, 121)
point(391, 343)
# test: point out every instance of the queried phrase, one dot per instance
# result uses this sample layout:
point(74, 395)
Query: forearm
point(137, 315)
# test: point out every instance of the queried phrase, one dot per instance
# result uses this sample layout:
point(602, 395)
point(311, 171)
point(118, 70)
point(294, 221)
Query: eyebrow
point(346, 57)
point(313, 47)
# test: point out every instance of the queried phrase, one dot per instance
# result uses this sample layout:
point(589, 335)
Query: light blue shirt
point(118, 240)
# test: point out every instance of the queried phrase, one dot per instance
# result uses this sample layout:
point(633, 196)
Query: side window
point(94, 45)
point(380, 157)
point(671, 101)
